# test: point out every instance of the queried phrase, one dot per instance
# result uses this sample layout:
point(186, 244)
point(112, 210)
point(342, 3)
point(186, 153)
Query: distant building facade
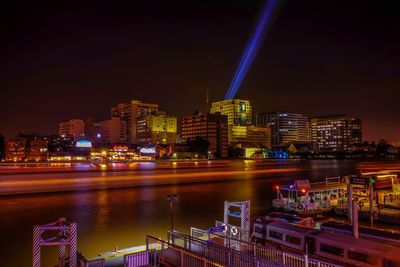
point(38, 150)
point(257, 135)
point(58, 143)
point(211, 127)
point(335, 133)
point(92, 129)
point(129, 112)
point(285, 127)
point(113, 131)
point(239, 111)
point(156, 128)
point(15, 149)
point(74, 127)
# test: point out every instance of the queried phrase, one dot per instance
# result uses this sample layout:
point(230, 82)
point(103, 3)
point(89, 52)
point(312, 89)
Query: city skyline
point(77, 62)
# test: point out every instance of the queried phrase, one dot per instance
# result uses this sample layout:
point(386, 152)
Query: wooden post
point(371, 203)
point(349, 200)
point(355, 219)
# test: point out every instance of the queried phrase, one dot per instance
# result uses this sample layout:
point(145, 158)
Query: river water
point(123, 216)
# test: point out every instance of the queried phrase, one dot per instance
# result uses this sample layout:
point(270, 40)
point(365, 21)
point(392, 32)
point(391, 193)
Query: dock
point(186, 250)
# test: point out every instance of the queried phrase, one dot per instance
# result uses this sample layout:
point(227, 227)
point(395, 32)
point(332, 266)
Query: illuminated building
point(335, 133)
point(211, 127)
point(74, 127)
point(116, 152)
point(38, 150)
point(258, 135)
point(129, 112)
point(285, 127)
point(15, 149)
point(238, 111)
point(156, 128)
point(113, 131)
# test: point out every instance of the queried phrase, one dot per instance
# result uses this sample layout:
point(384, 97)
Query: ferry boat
point(335, 247)
point(310, 199)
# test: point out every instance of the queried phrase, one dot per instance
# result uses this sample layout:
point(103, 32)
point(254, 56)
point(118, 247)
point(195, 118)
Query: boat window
point(294, 240)
point(310, 244)
point(258, 229)
point(332, 250)
point(275, 235)
point(389, 263)
point(362, 257)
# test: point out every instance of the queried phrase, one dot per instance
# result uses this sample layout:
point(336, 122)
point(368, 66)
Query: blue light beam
point(251, 50)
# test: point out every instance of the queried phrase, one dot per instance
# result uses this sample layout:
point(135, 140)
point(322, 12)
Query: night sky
point(60, 62)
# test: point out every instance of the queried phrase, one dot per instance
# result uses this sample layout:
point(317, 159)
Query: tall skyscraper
point(74, 127)
point(129, 112)
point(211, 127)
point(285, 127)
point(335, 133)
point(156, 128)
point(238, 111)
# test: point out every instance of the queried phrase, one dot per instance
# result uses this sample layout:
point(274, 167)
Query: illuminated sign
point(242, 107)
point(396, 188)
point(359, 180)
point(148, 150)
point(83, 143)
point(120, 148)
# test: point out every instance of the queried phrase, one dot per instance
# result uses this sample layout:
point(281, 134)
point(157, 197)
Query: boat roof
point(362, 230)
point(289, 227)
point(361, 243)
point(316, 187)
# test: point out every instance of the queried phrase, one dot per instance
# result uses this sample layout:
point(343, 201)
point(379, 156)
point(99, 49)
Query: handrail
point(263, 253)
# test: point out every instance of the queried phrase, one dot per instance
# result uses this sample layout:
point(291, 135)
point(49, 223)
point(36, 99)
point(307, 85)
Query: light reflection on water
point(123, 217)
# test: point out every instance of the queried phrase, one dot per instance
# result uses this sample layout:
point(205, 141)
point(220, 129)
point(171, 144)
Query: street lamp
point(173, 198)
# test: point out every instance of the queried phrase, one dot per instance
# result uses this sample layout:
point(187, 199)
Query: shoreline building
point(211, 127)
point(130, 112)
point(15, 149)
point(74, 127)
point(92, 130)
point(112, 131)
point(38, 150)
point(257, 135)
point(285, 127)
point(156, 128)
point(335, 133)
point(239, 111)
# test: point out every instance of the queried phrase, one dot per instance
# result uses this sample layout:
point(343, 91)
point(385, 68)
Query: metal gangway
point(258, 254)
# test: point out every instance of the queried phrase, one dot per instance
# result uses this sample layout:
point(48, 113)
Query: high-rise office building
point(156, 128)
point(74, 127)
point(335, 133)
point(129, 112)
point(211, 127)
point(112, 131)
point(238, 111)
point(285, 127)
point(257, 135)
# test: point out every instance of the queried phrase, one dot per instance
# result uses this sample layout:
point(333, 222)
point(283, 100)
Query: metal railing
point(143, 258)
point(135, 259)
point(174, 255)
point(220, 253)
point(226, 251)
